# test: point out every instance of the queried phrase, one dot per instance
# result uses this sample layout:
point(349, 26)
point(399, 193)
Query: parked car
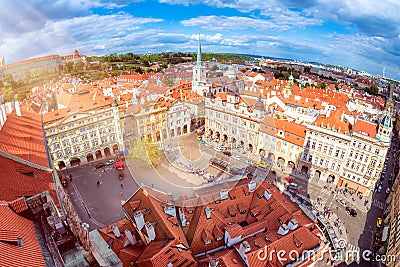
point(237, 157)
point(262, 163)
point(379, 189)
point(292, 186)
point(288, 179)
point(250, 162)
point(388, 190)
point(379, 222)
point(341, 202)
point(228, 153)
point(110, 162)
point(219, 149)
point(99, 165)
point(351, 211)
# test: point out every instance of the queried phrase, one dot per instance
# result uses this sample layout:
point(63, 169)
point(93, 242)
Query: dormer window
point(190, 211)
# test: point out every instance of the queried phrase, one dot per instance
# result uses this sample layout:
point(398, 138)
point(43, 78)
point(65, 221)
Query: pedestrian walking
point(122, 186)
point(70, 177)
point(98, 182)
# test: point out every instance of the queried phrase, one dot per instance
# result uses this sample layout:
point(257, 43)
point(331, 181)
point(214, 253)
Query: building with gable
point(244, 224)
point(349, 155)
point(232, 120)
point(89, 128)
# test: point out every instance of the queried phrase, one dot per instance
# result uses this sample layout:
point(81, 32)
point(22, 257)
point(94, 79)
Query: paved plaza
point(177, 174)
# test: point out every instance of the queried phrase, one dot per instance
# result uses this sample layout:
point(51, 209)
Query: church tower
point(199, 74)
point(385, 127)
point(389, 101)
point(287, 89)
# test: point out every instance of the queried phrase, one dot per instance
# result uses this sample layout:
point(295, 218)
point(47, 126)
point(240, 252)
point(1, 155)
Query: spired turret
point(385, 128)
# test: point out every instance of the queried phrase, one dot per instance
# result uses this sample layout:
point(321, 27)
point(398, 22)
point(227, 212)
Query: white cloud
point(281, 22)
point(61, 37)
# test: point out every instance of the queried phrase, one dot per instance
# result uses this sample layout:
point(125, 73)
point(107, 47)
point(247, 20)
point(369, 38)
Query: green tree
point(79, 65)
point(10, 80)
point(9, 94)
point(168, 82)
point(21, 96)
point(374, 89)
point(147, 152)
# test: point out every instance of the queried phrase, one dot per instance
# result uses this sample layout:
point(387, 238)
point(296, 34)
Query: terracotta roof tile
point(13, 227)
point(160, 253)
point(23, 137)
point(19, 180)
point(365, 127)
point(19, 205)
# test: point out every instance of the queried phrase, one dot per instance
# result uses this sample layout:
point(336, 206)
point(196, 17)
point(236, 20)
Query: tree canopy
point(147, 152)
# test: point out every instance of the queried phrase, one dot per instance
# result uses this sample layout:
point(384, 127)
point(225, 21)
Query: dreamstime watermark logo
point(343, 252)
point(350, 253)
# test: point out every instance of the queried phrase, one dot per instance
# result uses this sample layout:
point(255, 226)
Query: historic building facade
point(281, 141)
point(178, 118)
point(232, 121)
point(349, 156)
point(90, 132)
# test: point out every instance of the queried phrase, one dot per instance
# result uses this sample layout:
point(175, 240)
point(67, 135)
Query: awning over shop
point(123, 152)
point(119, 164)
point(354, 186)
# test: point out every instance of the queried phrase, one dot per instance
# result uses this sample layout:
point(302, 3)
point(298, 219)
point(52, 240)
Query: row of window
point(152, 118)
point(79, 123)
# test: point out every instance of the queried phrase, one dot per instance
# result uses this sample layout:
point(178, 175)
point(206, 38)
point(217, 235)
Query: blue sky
point(361, 34)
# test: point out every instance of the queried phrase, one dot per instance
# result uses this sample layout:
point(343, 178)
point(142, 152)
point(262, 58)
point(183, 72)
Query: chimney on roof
point(151, 233)
point(131, 238)
point(223, 194)
point(245, 246)
point(139, 219)
point(20, 242)
point(293, 224)
point(116, 231)
point(17, 109)
point(267, 194)
point(252, 185)
point(208, 212)
point(283, 229)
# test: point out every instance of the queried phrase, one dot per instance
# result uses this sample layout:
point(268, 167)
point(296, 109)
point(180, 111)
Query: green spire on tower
point(198, 63)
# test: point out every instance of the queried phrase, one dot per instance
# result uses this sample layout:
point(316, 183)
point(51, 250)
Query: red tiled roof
point(333, 122)
point(19, 180)
point(365, 127)
point(19, 205)
point(23, 137)
point(13, 227)
point(160, 253)
point(165, 228)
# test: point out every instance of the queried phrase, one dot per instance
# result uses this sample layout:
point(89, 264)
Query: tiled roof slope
point(152, 204)
point(12, 227)
point(368, 128)
point(250, 210)
point(126, 253)
point(161, 253)
point(23, 137)
point(334, 122)
point(19, 180)
point(293, 133)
